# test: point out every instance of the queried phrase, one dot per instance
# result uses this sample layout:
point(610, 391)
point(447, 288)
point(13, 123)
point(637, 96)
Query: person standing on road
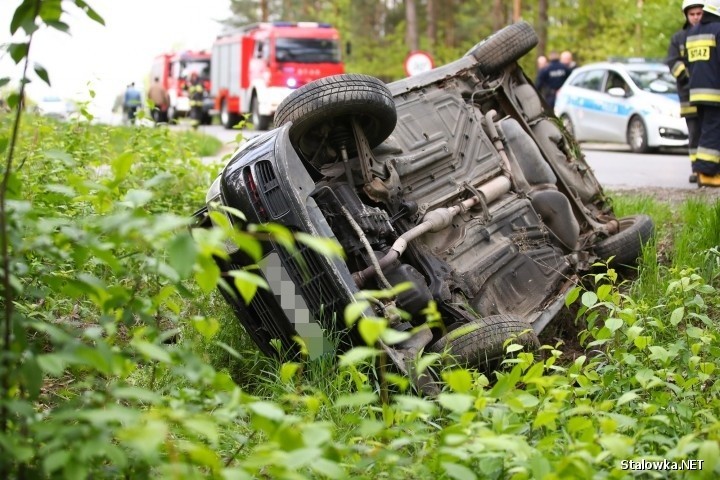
point(131, 102)
point(677, 61)
point(551, 78)
point(703, 59)
point(161, 100)
point(196, 93)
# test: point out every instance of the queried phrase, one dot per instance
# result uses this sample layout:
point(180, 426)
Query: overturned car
point(457, 180)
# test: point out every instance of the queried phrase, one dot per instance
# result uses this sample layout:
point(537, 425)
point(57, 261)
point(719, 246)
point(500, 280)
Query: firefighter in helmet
point(196, 93)
point(677, 61)
point(703, 61)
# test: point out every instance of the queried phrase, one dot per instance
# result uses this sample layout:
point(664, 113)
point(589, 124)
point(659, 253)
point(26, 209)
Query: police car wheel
point(480, 343)
point(637, 135)
point(504, 47)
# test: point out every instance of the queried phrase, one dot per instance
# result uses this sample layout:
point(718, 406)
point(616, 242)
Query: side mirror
point(617, 92)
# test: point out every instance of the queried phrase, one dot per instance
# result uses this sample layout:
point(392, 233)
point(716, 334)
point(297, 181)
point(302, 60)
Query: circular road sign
point(418, 62)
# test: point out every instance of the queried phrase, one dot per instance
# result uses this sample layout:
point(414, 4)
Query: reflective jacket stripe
point(708, 155)
point(693, 154)
point(708, 95)
point(686, 109)
point(678, 69)
point(702, 40)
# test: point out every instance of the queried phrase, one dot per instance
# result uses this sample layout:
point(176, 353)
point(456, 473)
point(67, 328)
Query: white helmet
point(694, 3)
point(712, 6)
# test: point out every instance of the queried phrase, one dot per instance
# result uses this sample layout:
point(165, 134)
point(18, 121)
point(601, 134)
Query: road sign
point(418, 62)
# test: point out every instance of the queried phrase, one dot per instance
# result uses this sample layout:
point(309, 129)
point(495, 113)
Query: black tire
point(626, 245)
point(637, 135)
point(504, 47)
point(260, 122)
point(329, 100)
point(227, 118)
point(480, 342)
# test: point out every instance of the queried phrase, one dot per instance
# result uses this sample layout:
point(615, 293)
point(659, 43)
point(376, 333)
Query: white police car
point(633, 102)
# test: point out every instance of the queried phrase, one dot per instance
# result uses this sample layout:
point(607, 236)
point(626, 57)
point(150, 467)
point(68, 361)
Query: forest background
point(383, 32)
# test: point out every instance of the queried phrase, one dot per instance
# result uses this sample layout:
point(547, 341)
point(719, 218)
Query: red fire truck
point(174, 70)
point(255, 67)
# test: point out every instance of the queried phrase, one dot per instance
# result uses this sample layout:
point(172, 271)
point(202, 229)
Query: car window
point(655, 81)
point(591, 80)
point(616, 81)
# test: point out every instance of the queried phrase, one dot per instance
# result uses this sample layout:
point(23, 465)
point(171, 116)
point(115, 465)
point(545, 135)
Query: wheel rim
point(637, 135)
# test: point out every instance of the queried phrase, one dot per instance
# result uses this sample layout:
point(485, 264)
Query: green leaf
point(371, 328)
point(4, 81)
point(288, 371)
point(92, 14)
point(458, 472)
point(267, 410)
point(459, 380)
point(152, 351)
point(589, 299)
point(138, 198)
point(208, 274)
point(572, 295)
point(354, 310)
point(603, 291)
point(613, 324)
point(328, 468)
point(145, 438)
point(24, 18)
point(52, 364)
point(18, 51)
point(677, 315)
point(121, 165)
point(456, 402)
point(357, 399)
point(357, 355)
point(182, 253)
point(247, 283)
point(55, 461)
point(207, 327)
point(627, 397)
point(325, 246)
point(204, 427)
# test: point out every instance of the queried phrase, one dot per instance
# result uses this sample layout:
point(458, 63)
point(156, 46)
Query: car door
point(615, 108)
point(584, 100)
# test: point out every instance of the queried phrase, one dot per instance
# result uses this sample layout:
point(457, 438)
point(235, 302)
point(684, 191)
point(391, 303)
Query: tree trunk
point(542, 27)
point(411, 36)
point(431, 22)
point(498, 15)
point(517, 10)
point(264, 11)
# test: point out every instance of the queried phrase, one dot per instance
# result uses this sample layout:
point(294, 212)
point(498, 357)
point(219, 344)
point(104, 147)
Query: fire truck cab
point(174, 70)
point(255, 67)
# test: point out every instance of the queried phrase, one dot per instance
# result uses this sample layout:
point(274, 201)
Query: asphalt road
point(615, 166)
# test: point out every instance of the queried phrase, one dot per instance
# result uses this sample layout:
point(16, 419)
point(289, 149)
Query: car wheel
point(637, 135)
point(480, 343)
point(327, 101)
point(568, 125)
point(626, 245)
point(504, 47)
point(228, 119)
point(260, 122)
